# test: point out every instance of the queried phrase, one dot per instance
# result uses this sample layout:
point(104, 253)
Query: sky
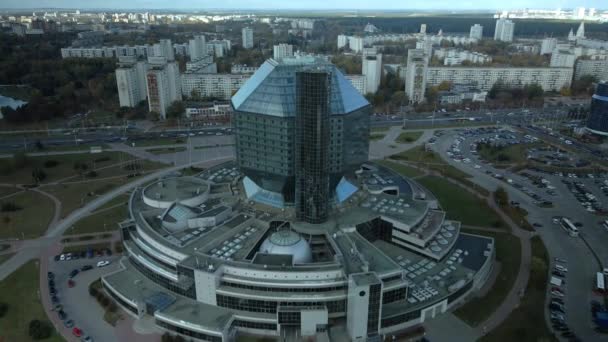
point(306, 4)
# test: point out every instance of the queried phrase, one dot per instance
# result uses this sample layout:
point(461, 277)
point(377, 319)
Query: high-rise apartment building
point(504, 30)
point(476, 32)
point(163, 84)
point(131, 81)
point(282, 51)
point(197, 47)
point(415, 75)
point(548, 45)
point(164, 48)
point(247, 33)
point(371, 65)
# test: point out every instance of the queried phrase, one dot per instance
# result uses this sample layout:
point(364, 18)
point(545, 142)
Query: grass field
point(379, 129)
point(376, 136)
point(461, 205)
point(527, 322)
point(29, 222)
point(508, 253)
point(408, 137)
point(505, 155)
point(404, 170)
point(8, 190)
point(100, 221)
point(432, 161)
point(73, 196)
point(85, 247)
point(20, 292)
point(165, 150)
point(10, 173)
point(5, 257)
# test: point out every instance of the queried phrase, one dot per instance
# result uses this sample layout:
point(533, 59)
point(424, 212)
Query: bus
point(569, 227)
point(600, 285)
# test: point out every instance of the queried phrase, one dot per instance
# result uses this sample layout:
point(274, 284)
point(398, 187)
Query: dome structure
point(288, 242)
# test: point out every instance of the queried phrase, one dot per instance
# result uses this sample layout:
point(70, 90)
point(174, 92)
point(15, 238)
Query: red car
point(77, 332)
point(71, 283)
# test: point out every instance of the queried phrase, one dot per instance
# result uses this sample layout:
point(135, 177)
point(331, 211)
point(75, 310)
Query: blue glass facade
point(598, 118)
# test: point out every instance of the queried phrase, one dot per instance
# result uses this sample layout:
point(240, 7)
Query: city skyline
point(303, 5)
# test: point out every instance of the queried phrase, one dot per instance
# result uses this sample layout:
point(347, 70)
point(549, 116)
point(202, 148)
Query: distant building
point(415, 75)
point(453, 56)
point(247, 34)
point(371, 64)
point(371, 28)
point(580, 32)
point(476, 32)
point(548, 45)
point(221, 86)
point(164, 48)
point(282, 51)
point(355, 43)
point(219, 48)
point(423, 28)
point(242, 69)
point(598, 118)
point(163, 84)
point(342, 41)
point(595, 66)
point(504, 30)
point(216, 114)
point(131, 81)
point(562, 59)
point(462, 92)
point(197, 47)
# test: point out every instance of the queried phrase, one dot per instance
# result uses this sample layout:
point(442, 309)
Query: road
point(582, 265)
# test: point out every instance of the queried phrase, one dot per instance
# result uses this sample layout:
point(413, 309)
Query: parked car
point(62, 315)
point(69, 323)
point(86, 268)
point(103, 263)
point(74, 273)
point(77, 332)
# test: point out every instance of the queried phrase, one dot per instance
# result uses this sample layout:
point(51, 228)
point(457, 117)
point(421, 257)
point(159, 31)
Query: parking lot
point(547, 197)
point(75, 312)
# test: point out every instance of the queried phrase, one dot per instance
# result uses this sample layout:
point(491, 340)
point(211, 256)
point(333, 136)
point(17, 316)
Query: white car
point(103, 263)
point(477, 166)
point(62, 257)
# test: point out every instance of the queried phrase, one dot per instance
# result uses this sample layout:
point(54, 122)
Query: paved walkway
point(513, 298)
point(387, 146)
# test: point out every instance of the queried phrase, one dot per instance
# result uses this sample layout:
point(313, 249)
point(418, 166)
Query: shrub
point(91, 174)
point(50, 163)
point(93, 291)
point(39, 330)
point(9, 207)
point(3, 309)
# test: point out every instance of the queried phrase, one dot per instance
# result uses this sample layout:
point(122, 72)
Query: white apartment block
point(221, 86)
point(164, 48)
point(218, 48)
point(371, 65)
point(562, 59)
point(197, 47)
point(548, 45)
point(247, 33)
point(452, 56)
point(242, 69)
point(358, 81)
point(131, 81)
point(476, 32)
point(550, 79)
point(597, 66)
point(282, 50)
point(163, 84)
point(355, 43)
point(342, 41)
point(415, 75)
point(504, 30)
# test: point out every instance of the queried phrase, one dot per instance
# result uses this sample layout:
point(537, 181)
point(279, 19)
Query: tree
point(501, 196)
point(176, 110)
point(39, 330)
point(38, 175)
point(3, 309)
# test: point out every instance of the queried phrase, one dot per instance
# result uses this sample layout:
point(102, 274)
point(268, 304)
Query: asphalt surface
point(581, 263)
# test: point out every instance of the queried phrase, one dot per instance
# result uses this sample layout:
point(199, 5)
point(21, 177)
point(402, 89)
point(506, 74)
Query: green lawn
point(85, 247)
point(160, 141)
point(527, 322)
point(431, 160)
point(8, 190)
point(73, 196)
point(460, 204)
point(22, 174)
point(505, 155)
point(101, 220)
point(31, 221)
point(165, 150)
point(16, 92)
point(380, 129)
point(376, 136)
point(21, 292)
point(508, 253)
point(404, 170)
point(408, 137)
